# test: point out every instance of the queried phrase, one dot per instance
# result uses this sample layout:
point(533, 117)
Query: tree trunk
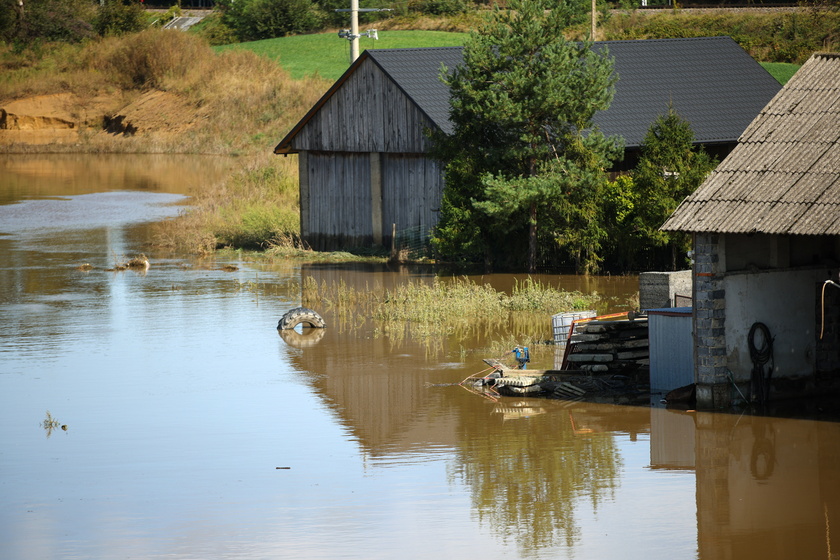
point(532, 238)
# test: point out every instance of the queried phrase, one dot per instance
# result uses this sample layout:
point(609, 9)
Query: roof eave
point(285, 145)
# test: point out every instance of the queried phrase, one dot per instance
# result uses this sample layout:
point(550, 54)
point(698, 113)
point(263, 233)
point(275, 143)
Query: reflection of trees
point(528, 475)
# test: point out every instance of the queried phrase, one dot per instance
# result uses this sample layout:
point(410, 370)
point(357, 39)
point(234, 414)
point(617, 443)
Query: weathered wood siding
point(338, 209)
point(368, 113)
point(412, 185)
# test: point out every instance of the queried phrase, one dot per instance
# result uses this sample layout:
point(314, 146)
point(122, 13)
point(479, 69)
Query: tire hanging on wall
point(301, 316)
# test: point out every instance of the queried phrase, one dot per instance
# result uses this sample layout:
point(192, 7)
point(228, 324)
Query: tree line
point(526, 168)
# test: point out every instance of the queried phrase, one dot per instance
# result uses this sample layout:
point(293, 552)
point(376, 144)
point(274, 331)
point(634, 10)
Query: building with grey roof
point(364, 169)
point(766, 226)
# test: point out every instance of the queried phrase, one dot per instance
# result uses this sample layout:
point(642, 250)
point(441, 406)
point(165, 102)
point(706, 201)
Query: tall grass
point(790, 36)
point(259, 202)
point(455, 307)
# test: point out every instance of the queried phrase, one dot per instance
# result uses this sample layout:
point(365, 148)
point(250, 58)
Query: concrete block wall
point(659, 289)
point(710, 370)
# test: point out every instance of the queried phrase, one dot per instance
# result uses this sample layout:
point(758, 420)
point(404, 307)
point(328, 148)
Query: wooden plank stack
point(610, 347)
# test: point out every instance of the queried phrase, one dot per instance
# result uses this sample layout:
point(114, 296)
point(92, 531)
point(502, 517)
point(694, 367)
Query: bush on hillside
point(46, 20)
point(118, 17)
point(154, 58)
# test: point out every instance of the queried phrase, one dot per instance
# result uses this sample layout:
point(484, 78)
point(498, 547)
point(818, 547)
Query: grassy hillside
point(328, 55)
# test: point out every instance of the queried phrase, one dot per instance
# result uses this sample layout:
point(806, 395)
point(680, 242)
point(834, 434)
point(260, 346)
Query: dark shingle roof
point(711, 82)
point(783, 177)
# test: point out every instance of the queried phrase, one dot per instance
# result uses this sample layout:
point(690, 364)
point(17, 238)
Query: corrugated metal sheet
point(671, 348)
point(784, 175)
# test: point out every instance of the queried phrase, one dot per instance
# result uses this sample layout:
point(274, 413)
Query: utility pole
point(592, 36)
point(353, 34)
point(354, 30)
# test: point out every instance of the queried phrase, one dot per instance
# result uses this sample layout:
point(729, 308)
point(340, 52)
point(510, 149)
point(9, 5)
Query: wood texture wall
point(368, 113)
point(367, 131)
point(412, 185)
point(339, 202)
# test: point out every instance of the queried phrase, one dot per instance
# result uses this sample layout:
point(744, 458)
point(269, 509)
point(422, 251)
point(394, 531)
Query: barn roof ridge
point(711, 81)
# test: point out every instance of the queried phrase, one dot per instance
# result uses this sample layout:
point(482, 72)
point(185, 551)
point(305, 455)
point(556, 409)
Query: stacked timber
point(609, 347)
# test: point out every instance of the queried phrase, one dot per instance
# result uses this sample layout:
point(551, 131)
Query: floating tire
point(301, 316)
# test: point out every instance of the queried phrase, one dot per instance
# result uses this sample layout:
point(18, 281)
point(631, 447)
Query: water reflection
point(184, 399)
point(767, 488)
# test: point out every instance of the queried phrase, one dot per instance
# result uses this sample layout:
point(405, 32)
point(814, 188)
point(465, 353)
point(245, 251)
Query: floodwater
point(158, 414)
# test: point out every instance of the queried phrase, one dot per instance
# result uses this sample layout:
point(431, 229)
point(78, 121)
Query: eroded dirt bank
point(36, 123)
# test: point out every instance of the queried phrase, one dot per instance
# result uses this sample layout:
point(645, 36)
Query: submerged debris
point(139, 263)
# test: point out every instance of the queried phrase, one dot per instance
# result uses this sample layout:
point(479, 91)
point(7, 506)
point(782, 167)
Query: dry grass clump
point(258, 202)
point(154, 58)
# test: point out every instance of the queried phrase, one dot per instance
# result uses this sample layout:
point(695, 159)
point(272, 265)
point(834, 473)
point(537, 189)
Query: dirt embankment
point(63, 118)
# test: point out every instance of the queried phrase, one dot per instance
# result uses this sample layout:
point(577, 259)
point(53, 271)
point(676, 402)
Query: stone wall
point(709, 324)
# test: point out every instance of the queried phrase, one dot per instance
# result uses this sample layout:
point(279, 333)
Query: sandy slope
point(61, 117)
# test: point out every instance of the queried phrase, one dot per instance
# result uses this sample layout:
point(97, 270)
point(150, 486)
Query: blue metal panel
point(671, 348)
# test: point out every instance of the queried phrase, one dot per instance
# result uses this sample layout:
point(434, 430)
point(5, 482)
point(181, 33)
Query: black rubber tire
point(301, 316)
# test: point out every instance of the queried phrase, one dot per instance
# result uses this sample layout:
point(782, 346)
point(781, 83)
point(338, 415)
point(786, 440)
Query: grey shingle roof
point(712, 82)
point(783, 177)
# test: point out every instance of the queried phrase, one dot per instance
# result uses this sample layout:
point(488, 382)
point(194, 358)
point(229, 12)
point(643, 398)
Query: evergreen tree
point(670, 168)
point(524, 154)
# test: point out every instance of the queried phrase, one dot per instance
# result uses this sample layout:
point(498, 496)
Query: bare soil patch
point(63, 117)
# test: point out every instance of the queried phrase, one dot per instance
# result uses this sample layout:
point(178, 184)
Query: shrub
point(46, 20)
point(154, 57)
point(118, 17)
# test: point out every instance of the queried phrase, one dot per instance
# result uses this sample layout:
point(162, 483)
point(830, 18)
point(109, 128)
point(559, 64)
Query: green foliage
point(264, 19)
point(46, 20)
point(523, 151)
point(118, 17)
point(670, 168)
point(342, 19)
point(440, 7)
point(214, 30)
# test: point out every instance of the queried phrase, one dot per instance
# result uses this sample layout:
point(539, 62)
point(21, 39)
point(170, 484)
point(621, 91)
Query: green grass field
point(329, 56)
point(782, 71)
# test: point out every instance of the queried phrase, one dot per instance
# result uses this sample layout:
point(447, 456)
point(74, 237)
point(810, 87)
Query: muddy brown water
point(159, 414)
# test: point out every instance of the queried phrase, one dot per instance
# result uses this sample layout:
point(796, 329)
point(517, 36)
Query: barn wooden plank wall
point(368, 125)
point(339, 201)
point(411, 189)
point(369, 113)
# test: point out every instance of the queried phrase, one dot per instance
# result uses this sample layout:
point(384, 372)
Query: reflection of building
point(672, 441)
point(767, 488)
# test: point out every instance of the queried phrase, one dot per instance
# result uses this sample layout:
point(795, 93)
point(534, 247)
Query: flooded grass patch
point(451, 308)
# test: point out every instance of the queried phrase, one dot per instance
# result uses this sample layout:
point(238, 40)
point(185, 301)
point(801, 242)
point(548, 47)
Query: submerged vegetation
point(454, 308)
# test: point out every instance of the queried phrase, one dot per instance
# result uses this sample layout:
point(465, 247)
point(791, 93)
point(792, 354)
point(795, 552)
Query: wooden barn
point(766, 227)
point(364, 168)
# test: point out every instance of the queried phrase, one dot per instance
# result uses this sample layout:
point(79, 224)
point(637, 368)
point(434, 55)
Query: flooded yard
point(159, 414)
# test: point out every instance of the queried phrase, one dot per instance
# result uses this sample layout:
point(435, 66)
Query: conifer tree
point(670, 169)
point(524, 152)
